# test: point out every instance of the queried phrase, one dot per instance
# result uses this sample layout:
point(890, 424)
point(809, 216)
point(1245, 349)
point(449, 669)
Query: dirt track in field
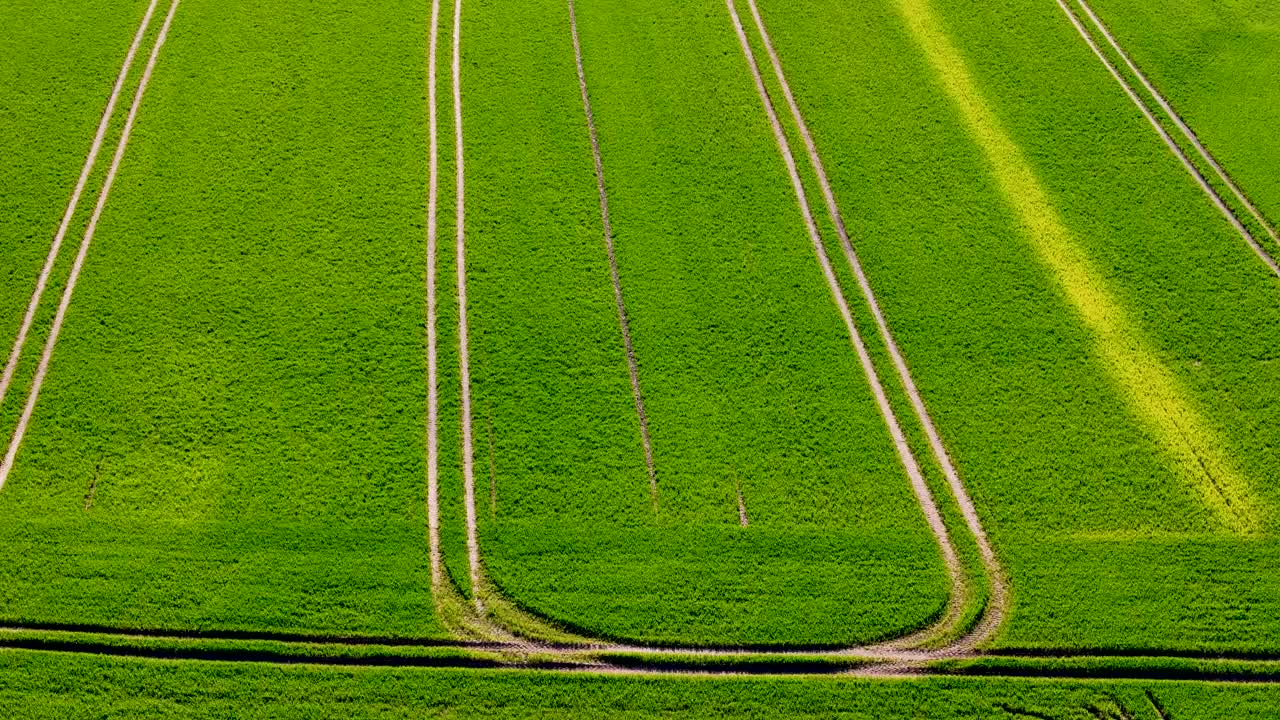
point(433, 394)
point(613, 261)
point(995, 608)
point(900, 651)
point(43, 280)
point(960, 588)
point(464, 356)
point(65, 303)
point(1180, 123)
point(1190, 167)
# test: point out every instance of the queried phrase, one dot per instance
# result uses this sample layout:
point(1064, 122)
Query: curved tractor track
point(899, 655)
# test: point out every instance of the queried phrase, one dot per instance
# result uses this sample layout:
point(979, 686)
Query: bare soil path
point(65, 303)
point(959, 587)
point(433, 398)
point(1168, 140)
point(43, 280)
point(1180, 123)
point(613, 262)
point(996, 602)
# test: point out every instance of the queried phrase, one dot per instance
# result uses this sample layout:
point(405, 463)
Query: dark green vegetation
point(231, 433)
point(39, 685)
point(747, 371)
point(1216, 63)
point(1106, 542)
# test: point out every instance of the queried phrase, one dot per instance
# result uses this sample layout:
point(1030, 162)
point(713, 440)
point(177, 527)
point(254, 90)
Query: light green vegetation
point(747, 371)
point(38, 685)
point(231, 432)
point(1106, 531)
point(1216, 63)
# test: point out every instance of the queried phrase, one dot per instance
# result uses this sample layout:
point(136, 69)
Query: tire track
point(43, 280)
point(433, 401)
point(508, 656)
point(464, 357)
point(901, 650)
point(1173, 146)
point(959, 587)
point(994, 612)
point(1182, 126)
point(613, 262)
point(65, 303)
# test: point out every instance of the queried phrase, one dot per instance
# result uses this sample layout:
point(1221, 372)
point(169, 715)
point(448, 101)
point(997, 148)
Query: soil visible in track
point(43, 280)
point(43, 368)
point(1173, 146)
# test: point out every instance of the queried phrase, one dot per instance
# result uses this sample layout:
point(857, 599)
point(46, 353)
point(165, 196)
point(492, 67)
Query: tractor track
point(433, 397)
point(899, 650)
point(464, 356)
point(90, 160)
point(327, 651)
point(613, 261)
point(995, 610)
point(64, 304)
point(959, 587)
point(1169, 142)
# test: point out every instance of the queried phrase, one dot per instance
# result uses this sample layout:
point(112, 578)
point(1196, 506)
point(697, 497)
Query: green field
point(747, 372)
point(220, 504)
point(1081, 495)
point(42, 686)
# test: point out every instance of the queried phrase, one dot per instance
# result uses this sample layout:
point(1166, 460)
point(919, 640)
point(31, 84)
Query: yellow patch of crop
point(1151, 389)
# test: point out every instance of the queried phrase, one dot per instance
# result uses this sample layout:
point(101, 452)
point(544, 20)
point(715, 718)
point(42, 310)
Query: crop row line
point(623, 323)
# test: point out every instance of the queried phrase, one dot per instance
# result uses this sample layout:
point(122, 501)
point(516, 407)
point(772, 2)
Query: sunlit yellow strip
point(1151, 389)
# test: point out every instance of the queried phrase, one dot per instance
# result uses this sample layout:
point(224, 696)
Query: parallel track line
point(1169, 141)
point(43, 280)
point(959, 587)
point(1180, 123)
point(464, 357)
point(65, 303)
point(433, 402)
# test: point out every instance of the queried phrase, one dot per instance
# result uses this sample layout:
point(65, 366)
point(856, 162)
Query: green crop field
point(231, 433)
point(1089, 503)
point(630, 358)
